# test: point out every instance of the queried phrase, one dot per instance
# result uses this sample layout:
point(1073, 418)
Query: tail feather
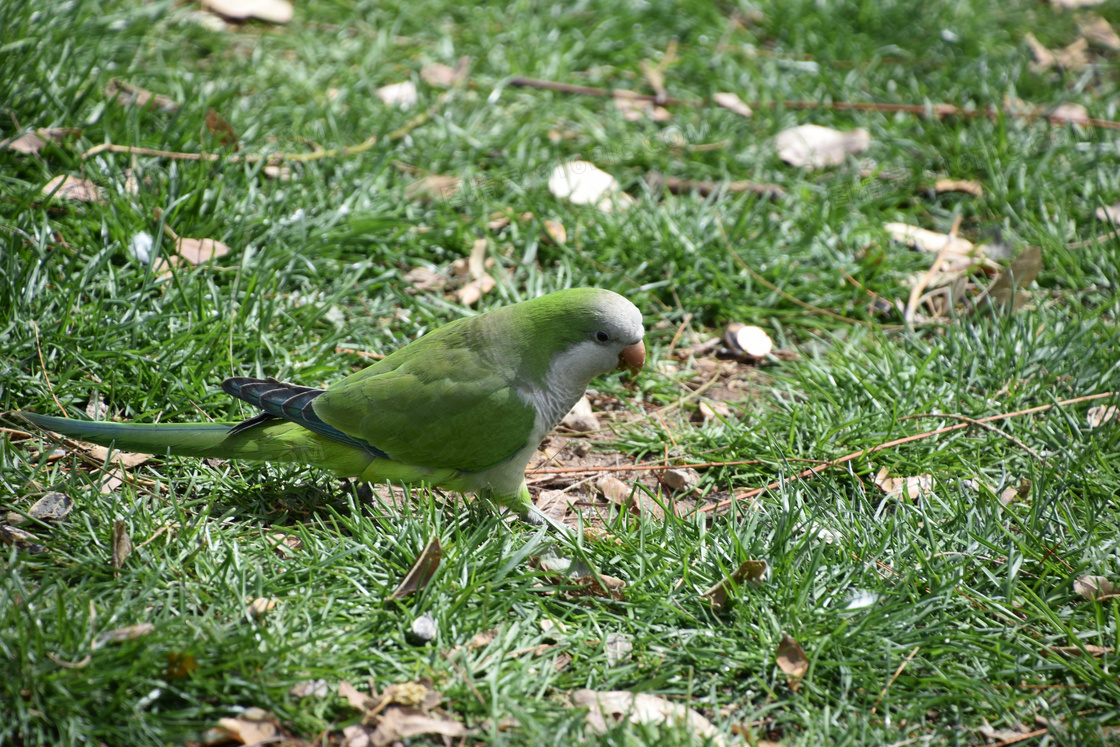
point(273, 441)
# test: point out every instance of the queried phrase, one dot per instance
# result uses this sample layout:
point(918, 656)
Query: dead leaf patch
point(606, 708)
point(75, 188)
point(913, 487)
point(401, 95)
point(815, 147)
point(270, 11)
point(422, 570)
point(1093, 587)
point(792, 661)
point(1101, 414)
point(583, 183)
point(754, 571)
point(733, 103)
point(127, 94)
point(200, 251)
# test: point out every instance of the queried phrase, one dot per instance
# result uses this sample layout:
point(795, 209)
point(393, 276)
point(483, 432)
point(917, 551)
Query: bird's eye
point(602, 336)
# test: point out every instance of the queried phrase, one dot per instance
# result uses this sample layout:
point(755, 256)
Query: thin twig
point(814, 471)
point(985, 426)
point(894, 677)
point(43, 365)
point(1020, 738)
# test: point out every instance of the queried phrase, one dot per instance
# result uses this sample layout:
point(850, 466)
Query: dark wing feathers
point(287, 402)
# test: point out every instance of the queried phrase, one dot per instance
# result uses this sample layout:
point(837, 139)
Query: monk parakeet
point(463, 408)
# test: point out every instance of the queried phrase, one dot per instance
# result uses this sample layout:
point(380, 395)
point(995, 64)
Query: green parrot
point(463, 408)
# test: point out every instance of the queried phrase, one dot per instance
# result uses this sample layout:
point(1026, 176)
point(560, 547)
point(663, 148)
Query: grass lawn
point(949, 614)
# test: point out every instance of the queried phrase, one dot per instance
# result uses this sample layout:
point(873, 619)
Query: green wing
point(439, 402)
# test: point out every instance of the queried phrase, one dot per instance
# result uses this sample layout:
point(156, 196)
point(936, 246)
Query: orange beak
point(632, 358)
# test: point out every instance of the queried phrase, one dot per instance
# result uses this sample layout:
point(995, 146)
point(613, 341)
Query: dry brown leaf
point(617, 648)
point(1093, 587)
point(310, 689)
point(122, 543)
point(1110, 213)
point(29, 143)
point(434, 188)
point(599, 585)
point(749, 570)
point(1074, 57)
point(816, 147)
point(1043, 58)
point(358, 700)
point(401, 95)
point(1101, 414)
point(124, 634)
point(680, 478)
point(259, 606)
point(970, 186)
point(445, 76)
point(395, 724)
point(928, 241)
point(483, 639)
point(422, 570)
point(607, 708)
point(199, 251)
point(1074, 4)
point(792, 661)
point(252, 726)
point(127, 94)
point(1009, 287)
point(554, 232)
point(277, 172)
point(472, 292)
point(53, 506)
point(423, 279)
point(220, 127)
point(270, 11)
point(635, 109)
point(1069, 113)
point(614, 490)
point(1075, 651)
point(583, 183)
point(285, 544)
point(748, 340)
point(733, 103)
point(73, 188)
point(554, 503)
point(581, 418)
point(20, 539)
point(904, 487)
point(1098, 31)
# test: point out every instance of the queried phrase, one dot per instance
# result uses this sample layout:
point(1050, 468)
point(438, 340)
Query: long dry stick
point(814, 471)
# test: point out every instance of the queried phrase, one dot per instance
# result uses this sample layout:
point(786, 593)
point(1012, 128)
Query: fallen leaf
point(581, 418)
point(1009, 287)
point(396, 724)
point(259, 606)
point(583, 183)
point(792, 661)
point(816, 147)
point(444, 76)
point(285, 544)
point(20, 539)
point(73, 188)
point(555, 232)
point(970, 186)
point(29, 143)
point(617, 648)
point(597, 585)
point(310, 689)
point(1101, 414)
point(1073, 57)
point(270, 11)
point(641, 708)
point(904, 487)
point(733, 103)
point(124, 634)
point(1043, 58)
point(1110, 213)
point(1093, 587)
point(122, 544)
point(635, 109)
point(127, 94)
point(1075, 651)
point(472, 292)
point(928, 241)
point(252, 726)
point(358, 700)
point(220, 127)
point(200, 251)
point(554, 503)
point(434, 188)
point(680, 479)
point(614, 490)
point(422, 570)
point(483, 639)
point(1069, 113)
point(754, 571)
point(53, 506)
point(1098, 31)
point(748, 340)
point(401, 95)
point(1074, 4)
point(280, 173)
